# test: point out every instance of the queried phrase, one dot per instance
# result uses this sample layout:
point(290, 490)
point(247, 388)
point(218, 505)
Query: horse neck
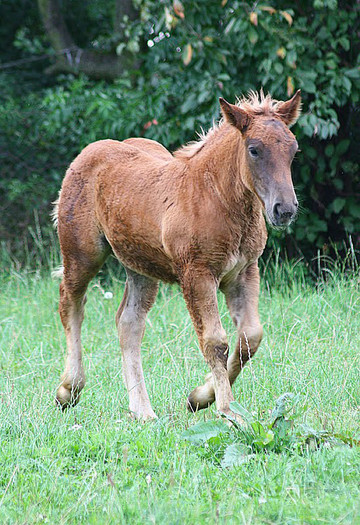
point(223, 162)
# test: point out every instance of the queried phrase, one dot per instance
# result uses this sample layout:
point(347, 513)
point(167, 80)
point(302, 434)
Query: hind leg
point(139, 296)
point(71, 309)
point(84, 250)
point(242, 297)
point(77, 274)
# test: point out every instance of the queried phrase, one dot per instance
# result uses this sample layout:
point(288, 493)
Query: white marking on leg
point(131, 326)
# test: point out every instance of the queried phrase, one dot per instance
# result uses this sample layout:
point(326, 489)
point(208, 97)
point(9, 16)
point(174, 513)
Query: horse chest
point(235, 264)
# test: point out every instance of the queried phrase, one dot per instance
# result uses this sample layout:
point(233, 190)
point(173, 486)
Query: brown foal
point(194, 217)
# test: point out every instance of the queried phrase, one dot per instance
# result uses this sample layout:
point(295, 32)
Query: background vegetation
point(163, 66)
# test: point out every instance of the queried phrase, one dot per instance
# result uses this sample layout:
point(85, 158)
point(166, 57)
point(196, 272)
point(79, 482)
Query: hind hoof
point(143, 417)
point(200, 398)
point(66, 398)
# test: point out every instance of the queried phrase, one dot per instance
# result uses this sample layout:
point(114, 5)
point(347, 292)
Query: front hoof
point(66, 398)
point(143, 416)
point(201, 397)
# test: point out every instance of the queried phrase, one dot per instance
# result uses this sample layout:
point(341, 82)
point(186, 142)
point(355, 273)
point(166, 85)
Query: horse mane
point(191, 148)
point(255, 103)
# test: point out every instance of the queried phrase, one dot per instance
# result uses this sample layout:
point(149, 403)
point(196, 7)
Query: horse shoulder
point(196, 231)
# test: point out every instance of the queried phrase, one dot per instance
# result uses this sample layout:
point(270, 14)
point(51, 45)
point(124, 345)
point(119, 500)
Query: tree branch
point(73, 59)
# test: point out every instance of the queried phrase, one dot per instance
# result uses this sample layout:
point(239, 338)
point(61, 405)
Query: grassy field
point(94, 465)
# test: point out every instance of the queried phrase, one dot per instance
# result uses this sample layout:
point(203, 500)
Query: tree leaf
point(282, 426)
point(190, 103)
point(187, 54)
point(342, 147)
point(338, 204)
point(252, 34)
point(267, 8)
point(254, 18)
point(170, 20)
point(287, 17)
point(353, 73)
point(178, 9)
point(290, 86)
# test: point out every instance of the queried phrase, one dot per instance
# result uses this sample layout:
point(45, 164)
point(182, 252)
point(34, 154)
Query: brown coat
point(196, 218)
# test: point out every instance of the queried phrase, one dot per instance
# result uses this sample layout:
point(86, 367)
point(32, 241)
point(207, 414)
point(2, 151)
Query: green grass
point(93, 464)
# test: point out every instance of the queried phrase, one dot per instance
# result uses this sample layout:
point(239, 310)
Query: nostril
point(276, 210)
point(296, 204)
point(287, 215)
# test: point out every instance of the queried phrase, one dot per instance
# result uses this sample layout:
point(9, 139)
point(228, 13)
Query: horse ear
point(234, 115)
point(290, 110)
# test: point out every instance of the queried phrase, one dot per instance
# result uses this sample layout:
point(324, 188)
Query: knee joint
point(216, 350)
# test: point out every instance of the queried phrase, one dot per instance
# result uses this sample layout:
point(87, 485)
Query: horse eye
point(253, 152)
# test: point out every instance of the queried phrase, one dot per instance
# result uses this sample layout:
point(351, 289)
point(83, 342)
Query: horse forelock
point(257, 103)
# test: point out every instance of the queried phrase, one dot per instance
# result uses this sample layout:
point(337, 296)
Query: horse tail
point(55, 211)
point(58, 273)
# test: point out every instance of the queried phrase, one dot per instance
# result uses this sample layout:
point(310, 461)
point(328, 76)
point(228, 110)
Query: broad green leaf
point(354, 208)
point(264, 438)
point(205, 430)
point(342, 147)
point(345, 43)
point(241, 411)
point(353, 73)
point(258, 428)
point(235, 455)
point(190, 103)
point(281, 406)
point(282, 426)
point(320, 225)
point(338, 204)
point(232, 420)
point(252, 34)
point(329, 150)
point(230, 25)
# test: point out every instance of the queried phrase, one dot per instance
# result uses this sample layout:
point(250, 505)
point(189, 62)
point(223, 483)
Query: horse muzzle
point(282, 213)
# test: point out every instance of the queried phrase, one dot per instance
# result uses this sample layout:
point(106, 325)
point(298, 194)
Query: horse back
point(150, 146)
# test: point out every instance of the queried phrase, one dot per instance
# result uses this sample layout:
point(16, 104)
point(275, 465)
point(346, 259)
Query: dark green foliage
point(195, 52)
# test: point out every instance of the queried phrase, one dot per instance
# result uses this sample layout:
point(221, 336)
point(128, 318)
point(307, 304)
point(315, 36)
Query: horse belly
point(142, 258)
